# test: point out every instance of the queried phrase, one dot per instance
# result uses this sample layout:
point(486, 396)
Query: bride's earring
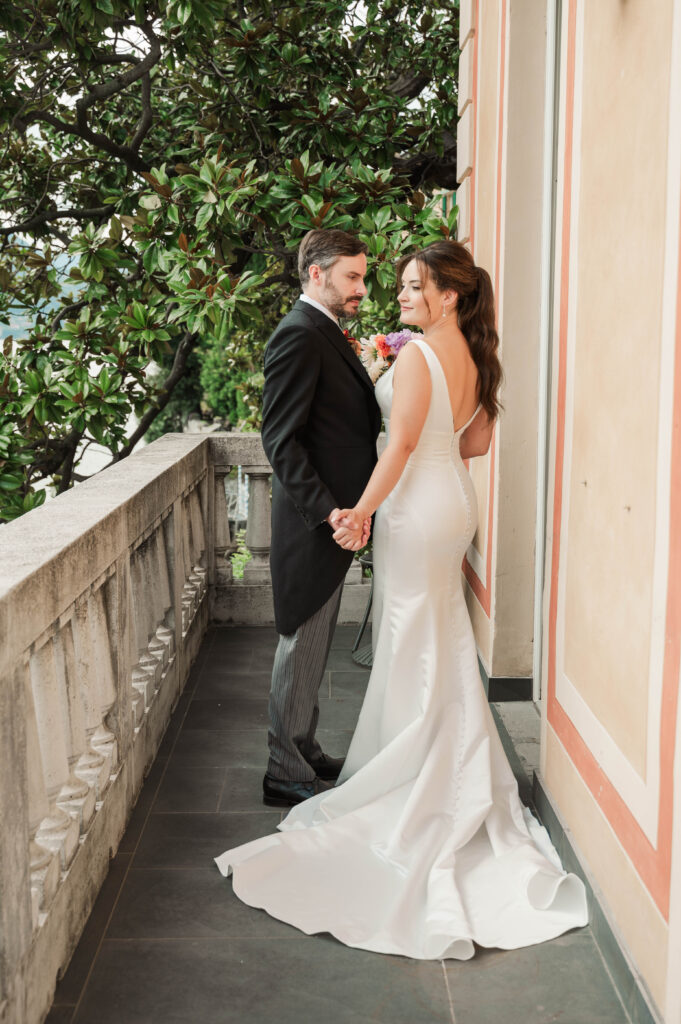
point(444, 311)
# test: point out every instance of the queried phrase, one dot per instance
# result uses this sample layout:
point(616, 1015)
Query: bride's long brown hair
point(449, 265)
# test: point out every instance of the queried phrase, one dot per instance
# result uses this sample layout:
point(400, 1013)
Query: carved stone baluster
point(78, 797)
point(91, 767)
point(198, 533)
point(201, 565)
point(165, 631)
point(189, 590)
point(223, 540)
point(259, 529)
point(87, 668)
point(145, 664)
point(44, 862)
point(158, 646)
point(103, 740)
point(197, 574)
point(141, 683)
point(57, 831)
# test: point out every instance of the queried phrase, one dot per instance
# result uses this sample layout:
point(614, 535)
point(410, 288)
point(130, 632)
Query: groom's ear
point(315, 272)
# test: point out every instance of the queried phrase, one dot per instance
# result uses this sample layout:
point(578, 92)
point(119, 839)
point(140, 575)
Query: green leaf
point(383, 218)
point(204, 215)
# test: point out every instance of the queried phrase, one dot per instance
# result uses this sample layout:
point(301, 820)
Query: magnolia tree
point(160, 164)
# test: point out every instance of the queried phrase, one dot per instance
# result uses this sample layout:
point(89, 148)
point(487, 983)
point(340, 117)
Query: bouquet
point(379, 351)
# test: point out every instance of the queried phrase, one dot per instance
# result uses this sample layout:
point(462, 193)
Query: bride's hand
point(352, 532)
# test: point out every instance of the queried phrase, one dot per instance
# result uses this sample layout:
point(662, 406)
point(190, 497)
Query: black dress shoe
point(285, 793)
point(326, 767)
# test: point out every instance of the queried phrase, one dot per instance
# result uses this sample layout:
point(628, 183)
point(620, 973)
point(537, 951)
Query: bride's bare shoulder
point(411, 367)
point(411, 356)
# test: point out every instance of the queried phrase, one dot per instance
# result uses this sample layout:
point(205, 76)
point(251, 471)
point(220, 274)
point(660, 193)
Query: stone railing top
point(51, 555)
point(237, 450)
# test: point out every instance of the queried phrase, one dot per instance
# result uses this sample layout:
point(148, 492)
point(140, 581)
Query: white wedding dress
point(423, 847)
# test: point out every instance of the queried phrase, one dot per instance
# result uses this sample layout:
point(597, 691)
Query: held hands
point(351, 531)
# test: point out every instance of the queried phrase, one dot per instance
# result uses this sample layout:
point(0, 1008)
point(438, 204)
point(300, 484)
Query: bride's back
point(461, 374)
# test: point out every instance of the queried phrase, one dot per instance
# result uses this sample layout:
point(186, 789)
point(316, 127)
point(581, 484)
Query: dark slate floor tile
point(338, 714)
point(227, 715)
point(193, 840)
point(186, 788)
point(232, 636)
point(263, 659)
point(209, 748)
point(229, 684)
point(242, 790)
point(71, 985)
point(175, 723)
point(140, 811)
point(187, 903)
point(300, 981)
point(60, 1015)
point(349, 685)
point(564, 979)
point(344, 637)
point(230, 659)
point(334, 742)
point(340, 660)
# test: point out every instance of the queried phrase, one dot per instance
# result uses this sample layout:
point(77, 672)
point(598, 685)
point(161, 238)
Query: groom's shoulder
point(300, 315)
point(294, 328)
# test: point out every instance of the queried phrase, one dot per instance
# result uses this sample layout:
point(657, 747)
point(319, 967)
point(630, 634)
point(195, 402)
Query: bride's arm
point(411, 398)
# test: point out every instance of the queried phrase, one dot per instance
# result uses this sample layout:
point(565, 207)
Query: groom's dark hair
point(323, 246)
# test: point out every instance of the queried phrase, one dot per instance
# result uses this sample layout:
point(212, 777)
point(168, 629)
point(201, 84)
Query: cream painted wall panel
point(466, 21)
point(642, 926)
point(464, 144)
point(611, 526)
point(465, 77)
point(485, 208)
point(463, 201)
point(487, 122)
point(519, 324)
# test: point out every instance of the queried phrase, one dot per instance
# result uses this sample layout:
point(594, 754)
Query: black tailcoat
point(320, 422)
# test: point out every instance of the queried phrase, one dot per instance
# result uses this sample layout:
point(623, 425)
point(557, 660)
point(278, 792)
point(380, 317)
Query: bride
point(423, 847)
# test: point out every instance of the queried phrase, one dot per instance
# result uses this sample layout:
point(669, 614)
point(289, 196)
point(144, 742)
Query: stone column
point(259, 529)
point(223, 546)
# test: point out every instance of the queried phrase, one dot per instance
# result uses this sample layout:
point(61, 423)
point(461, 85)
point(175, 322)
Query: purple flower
point(398, 339)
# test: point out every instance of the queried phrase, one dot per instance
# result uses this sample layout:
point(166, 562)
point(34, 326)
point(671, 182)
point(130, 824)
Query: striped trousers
point(299, 664)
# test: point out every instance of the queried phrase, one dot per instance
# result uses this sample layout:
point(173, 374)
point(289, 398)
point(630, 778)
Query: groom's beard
point(337, 303)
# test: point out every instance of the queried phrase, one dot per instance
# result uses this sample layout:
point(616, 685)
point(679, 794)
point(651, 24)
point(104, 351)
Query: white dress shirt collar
point(322, 309)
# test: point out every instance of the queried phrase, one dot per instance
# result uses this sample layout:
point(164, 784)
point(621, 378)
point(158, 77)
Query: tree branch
point(146, 118)
point(67, 466)
point(124, 153)
point(48, 215)
point(82, 129)
point(176, 373)
point(120, 82)
point(409, 86)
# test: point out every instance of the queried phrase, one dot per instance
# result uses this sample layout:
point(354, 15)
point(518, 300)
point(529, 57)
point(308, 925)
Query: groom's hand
point(351, 532)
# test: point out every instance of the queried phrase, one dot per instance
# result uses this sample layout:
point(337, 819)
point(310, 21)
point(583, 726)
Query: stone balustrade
point(105, 594)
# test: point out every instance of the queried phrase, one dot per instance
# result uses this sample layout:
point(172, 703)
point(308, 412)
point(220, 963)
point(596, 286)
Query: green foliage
point(160, 164)
point(240, 556)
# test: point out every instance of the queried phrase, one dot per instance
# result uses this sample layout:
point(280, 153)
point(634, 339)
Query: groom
point(320, 422)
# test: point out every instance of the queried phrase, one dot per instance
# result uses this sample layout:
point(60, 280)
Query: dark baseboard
point(500, 688)
point(627, 980)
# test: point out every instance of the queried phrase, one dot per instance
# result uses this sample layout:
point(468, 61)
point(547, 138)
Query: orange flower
point(382, 346)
